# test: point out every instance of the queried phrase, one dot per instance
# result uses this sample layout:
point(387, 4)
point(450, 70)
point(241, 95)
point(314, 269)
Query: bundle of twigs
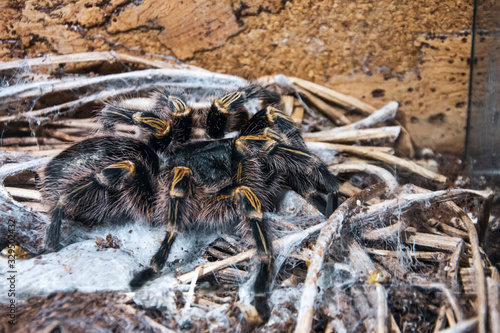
point(389, 249)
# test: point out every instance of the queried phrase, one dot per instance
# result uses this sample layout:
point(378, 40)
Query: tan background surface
point(414, 52)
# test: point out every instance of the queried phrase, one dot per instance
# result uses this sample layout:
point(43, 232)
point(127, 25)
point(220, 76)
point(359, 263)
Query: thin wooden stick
point(381, 115)
point(68, 106)
point(37, 150)
point(463, 327)
point(187, 78)
point(434, 241)
point(190, 294)
point(494, 304)
point(346, 101)
point(288, 102)
point(388, 232)
point(389, 132)
point(457, 311)
point(24, 193)
point(60, 135)
point(370, 153)
point(441, 319)
point(382, 309)
point(483, 218)
point(450, 316)
point(430, 256)
point(331, 112)
point(28, 141)
point(382, 174)
point(406, 201)
point(333, 226)
point(209, 267)
point(482, 298)
point(110, 57)
point(453, 266)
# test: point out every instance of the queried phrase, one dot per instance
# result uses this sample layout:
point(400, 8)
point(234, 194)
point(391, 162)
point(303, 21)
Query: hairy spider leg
point(159, 130)
point(53, 233)
point(219, 112)
point(305, 173)
point(113, 177)
point(252, 209)
point(181, 179)
point(252, 206)
point(221, 108)
point(182, 116)
point(270, 117)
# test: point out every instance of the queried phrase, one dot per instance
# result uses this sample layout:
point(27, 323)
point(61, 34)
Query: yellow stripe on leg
point(252, 198)
point(262, 237)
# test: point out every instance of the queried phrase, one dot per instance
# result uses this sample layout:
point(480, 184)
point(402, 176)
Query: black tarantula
point(167, 177)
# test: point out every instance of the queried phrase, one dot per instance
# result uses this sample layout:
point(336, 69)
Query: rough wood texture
point(374, 50)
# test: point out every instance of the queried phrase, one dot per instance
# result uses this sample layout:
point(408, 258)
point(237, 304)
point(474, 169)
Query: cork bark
point(414, 52)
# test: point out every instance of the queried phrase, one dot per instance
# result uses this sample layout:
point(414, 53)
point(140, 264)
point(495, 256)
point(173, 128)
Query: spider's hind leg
point(112, 178)
point(59, 213)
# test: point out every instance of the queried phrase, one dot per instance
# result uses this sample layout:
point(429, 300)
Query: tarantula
point(167, 177)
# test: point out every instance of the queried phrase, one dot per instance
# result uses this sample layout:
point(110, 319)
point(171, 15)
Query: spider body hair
point(168, 177)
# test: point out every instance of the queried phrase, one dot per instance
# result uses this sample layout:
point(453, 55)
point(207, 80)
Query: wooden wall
point(414, 52)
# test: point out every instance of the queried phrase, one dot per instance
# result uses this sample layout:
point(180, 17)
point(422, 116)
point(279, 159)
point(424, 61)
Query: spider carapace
point(168, 177)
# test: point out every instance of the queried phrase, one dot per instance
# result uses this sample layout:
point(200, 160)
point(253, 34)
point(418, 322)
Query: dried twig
point(381, 115)
point(382, 309)
point(463, 327)
point(334, 114)
point(110, 57)
point(494, 305)
point(370, 153)
point(406, 201)
point(24, 193)
point(390, 132)
point(209, 267)
point(69, 106)
point(441, 319)
point(190, 294)
point(348, 102)
point(333, 226)
point(453, 266)
point(172, 77)
point(380, 173)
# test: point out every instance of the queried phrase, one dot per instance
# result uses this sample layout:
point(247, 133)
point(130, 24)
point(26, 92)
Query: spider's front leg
point(158, 131)
point(182, 117)
point(170, 120)
point(221, 108)
point(180, 186)
point(272, 118)
point(252, 209)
